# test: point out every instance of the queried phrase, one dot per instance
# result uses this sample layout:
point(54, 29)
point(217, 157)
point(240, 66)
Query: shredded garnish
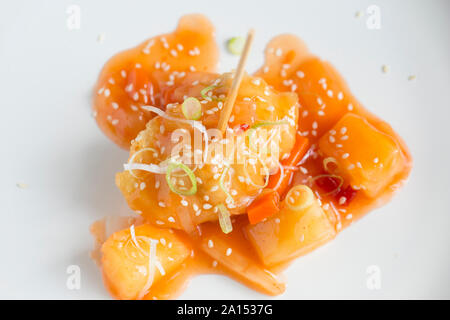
point(151, 268)
point(192, 108)
point(236, 45)
point(280, 180)
point(195, 124)
point(222, 185)
point(153, 168)
point(133, 238)
point(224, 219)
point(300, 194)
point(204, 92)
point(267, 174)
point(178, 165)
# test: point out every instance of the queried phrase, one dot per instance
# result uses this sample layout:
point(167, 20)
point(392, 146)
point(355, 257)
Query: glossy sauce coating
point(143, 75)
point(325, 99)
point(338, 127)
point(149, 193)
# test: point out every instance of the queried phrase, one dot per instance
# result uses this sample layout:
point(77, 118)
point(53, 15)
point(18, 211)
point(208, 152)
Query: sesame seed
point(142, 185)
point(210, 243)
point(207, 206)
point(319, 101)
point(350, 107)
point(345, 156)
point(340, 96)
point(342, 200)
point(349, 216)
point(184, 203)
point(332, 139)
point(278, 52)
point(214, 263)
point(375, 160)
point(115, 105)
point(277, 220)
point(343, 130)
point(161, 204)
point(300, 74)
point(229, 251)
point(114, 122)
point(171, 219)
point(302, 238)
point(107, 92)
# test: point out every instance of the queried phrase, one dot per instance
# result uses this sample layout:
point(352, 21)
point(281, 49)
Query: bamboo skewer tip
point(231, 97)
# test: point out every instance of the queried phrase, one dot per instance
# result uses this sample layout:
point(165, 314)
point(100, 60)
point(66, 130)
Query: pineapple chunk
point(291, 232)
point(126, 267)
point(366, 157)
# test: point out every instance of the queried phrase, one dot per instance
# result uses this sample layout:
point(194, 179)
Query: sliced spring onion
point(268, 123)
point(192, 108)
point(299, 197)
point(341, 181)
point(178, 165)
point(204, 92)
point(222, 185)
point(328, 160)
point(224, 219)
point(236, 45)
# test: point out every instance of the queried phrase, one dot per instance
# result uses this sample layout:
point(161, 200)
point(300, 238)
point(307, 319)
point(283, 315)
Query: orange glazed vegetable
point(263, 207)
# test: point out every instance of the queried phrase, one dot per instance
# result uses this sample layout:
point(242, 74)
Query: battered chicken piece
point(236, 167)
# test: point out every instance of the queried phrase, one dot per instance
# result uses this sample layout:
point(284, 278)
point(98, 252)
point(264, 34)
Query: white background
point(50, 142)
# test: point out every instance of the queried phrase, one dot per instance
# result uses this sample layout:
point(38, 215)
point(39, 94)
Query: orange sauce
point(143, 75)
point(289, 67)
point(325, 98)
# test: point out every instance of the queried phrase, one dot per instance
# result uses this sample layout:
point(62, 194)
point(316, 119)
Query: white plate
point(50, 142)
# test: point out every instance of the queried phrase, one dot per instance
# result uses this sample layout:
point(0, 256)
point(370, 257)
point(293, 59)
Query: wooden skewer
point(231, 98)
